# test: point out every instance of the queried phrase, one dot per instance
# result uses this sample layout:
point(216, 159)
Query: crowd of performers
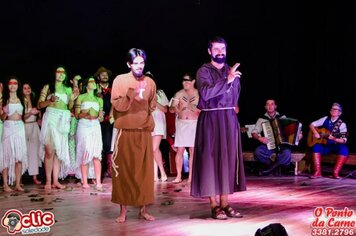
point(70, 128)
point(62, 129)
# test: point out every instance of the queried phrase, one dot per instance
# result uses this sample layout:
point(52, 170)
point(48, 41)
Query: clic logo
point(34, 222)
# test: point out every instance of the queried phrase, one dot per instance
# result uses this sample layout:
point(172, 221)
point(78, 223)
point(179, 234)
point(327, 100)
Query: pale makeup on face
point(137, 66)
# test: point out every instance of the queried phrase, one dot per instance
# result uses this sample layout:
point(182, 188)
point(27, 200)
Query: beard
point(219, 58)
point(137, 74)
point(104, 79)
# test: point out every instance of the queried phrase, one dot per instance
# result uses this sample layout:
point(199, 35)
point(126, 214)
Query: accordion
point(282, 131)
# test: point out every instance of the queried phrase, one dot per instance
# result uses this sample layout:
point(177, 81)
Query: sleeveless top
point(61, 96)
point(88, 105)
point(14, 107)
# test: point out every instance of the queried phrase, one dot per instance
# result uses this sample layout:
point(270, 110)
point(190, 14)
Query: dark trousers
point(263, 155)
point(106, 132)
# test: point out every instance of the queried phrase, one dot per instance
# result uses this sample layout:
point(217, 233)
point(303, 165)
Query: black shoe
point(271, 169)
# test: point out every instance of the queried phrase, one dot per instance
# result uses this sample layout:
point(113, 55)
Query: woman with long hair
point(14, 160)
point(89, 112)
point(58, 99)
point(32, 131)
point(76, 87)
point(160, 130)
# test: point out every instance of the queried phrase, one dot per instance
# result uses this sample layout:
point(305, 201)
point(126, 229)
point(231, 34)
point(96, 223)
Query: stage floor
point(289, 200)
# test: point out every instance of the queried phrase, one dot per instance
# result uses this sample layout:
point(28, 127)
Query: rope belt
point(219, 108)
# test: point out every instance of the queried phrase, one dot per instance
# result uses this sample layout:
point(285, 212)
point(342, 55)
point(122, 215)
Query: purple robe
point(218, 164)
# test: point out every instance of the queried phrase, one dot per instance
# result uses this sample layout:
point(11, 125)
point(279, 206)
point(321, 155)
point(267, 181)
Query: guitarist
point(335, 144)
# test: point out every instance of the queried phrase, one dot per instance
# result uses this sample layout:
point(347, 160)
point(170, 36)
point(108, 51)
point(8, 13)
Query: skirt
point(55, 131)
point(14, 147)
point(185, 133)
point(160, 123)
point(89, 144)
point(34, 146)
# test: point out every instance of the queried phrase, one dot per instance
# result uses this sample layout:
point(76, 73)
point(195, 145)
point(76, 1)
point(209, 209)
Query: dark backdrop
point(299, 52)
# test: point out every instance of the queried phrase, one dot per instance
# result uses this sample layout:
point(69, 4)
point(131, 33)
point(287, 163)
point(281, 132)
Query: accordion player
point(281, 131)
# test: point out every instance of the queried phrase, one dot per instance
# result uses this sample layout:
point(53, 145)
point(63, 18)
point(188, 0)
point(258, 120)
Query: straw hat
point(102, 69)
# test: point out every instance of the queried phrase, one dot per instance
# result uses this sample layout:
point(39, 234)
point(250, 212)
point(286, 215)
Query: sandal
point(218, 214)
point(230, 212)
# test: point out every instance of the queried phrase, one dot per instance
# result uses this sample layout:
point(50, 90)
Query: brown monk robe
point(132, 176)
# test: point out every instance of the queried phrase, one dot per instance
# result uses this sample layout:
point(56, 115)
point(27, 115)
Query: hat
point(337, 105)
point(102, 69)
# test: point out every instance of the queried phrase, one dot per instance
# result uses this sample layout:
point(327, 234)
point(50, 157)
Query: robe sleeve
point(208, 87)
point(121, 96)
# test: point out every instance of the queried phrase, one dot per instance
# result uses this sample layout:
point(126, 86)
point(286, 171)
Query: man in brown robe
point(133, 98)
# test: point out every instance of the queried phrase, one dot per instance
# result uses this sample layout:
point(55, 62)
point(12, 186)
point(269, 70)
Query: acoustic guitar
point(324, 134)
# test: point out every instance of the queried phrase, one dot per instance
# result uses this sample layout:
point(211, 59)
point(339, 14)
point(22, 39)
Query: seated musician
point(334, 142)
point(263, 152)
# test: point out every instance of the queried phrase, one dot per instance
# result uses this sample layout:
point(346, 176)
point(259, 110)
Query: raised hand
point(233, 73)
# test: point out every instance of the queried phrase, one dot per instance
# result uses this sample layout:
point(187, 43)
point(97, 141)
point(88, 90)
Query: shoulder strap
point(270, 119)
point(336, 126)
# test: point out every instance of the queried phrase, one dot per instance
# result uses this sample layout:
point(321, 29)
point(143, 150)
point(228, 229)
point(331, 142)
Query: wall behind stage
point(299, 52)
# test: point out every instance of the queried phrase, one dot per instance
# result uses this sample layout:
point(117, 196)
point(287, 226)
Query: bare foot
point(36, 182)
point(177, 181)
point(58, 186)
point(164, 178)
point(48, 187)
point(8, 189)
point(99, 188)
point(121, 218)
point(146, 216)
point(20, 189)
point(85, 186)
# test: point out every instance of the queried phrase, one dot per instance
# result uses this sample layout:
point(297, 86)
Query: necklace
point(14, 100)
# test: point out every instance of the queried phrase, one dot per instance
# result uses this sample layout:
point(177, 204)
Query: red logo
point(331, 221)
point(35, 221)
